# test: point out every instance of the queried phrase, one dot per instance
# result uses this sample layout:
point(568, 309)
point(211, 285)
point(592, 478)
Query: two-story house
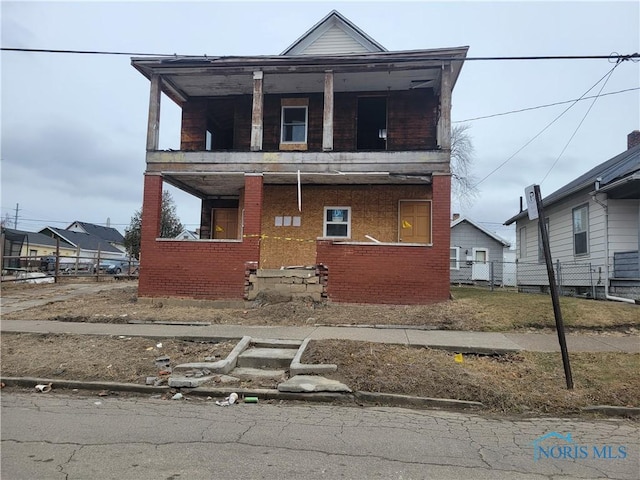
point(334, 155)
point(594, 232)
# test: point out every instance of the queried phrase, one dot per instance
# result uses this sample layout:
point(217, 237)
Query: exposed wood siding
point(374, 211)
point(412, 120)
point(334, 41)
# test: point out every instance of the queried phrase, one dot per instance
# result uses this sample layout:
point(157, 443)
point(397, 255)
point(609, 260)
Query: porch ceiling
point(230, 184)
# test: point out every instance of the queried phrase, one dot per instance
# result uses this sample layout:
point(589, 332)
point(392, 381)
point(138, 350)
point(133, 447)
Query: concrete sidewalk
point(459, 341)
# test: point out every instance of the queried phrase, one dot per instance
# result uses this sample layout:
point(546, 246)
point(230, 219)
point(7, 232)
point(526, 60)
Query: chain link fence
point(573, 279)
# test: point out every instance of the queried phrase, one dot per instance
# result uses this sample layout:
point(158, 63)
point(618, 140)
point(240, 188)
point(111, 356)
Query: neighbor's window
point(454, 258)
point(581, 230)
point(337, 222)
point(540, 245)
point(522, 242)
point(294, 124)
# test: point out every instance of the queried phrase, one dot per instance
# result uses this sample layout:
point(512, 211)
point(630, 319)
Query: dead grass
point(97, 358)
point(516, 383)
point(472, 309)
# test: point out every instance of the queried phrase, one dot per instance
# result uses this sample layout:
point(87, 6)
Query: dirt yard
point(525, 383)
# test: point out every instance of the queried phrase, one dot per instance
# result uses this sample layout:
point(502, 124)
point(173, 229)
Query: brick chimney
point(633, 139)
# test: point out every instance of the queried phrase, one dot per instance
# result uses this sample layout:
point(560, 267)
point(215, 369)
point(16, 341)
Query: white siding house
point(594, 229)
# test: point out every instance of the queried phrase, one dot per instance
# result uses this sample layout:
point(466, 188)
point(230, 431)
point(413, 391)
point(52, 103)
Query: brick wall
point(393, 274)
point(196, 269)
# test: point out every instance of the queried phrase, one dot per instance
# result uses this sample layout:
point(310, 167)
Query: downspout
point(606, 248)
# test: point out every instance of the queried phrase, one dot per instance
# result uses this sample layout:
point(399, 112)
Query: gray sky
point(74, 126)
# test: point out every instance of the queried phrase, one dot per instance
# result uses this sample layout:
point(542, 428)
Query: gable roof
point(109, 234)
point(626, 164)
point(35, 238)
point(85, 241)
point(333, 35)
point(496, 237)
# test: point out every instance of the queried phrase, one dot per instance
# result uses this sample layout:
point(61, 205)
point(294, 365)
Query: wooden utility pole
point(555, 300)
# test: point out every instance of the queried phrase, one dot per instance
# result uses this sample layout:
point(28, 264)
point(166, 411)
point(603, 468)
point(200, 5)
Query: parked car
point(129, 267)
point(104, 266)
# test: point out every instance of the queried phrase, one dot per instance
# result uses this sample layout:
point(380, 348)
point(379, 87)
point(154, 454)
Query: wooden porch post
point(327, 119)
point(444, 122)
point(256, 114)
point(153, 126)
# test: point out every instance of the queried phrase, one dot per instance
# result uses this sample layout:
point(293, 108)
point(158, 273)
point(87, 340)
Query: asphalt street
point(62, 436)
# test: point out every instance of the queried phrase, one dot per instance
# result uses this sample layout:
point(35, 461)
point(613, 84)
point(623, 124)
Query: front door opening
point(415, 222)
point(372, 123)
point(225, 223)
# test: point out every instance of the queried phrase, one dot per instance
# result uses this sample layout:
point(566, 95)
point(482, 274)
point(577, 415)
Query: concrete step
point(244, 372)
point(266, 357)
point(275, 343)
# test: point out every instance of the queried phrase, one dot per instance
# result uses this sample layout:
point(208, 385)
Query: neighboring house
point(334, 155)
point(86, 246)
point(109, 234)
point(187, 235)
point(476, 254)
point(594, 226)
point(19, 243)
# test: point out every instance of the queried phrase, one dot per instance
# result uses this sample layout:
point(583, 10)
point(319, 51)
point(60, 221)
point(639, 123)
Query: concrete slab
point(244, 372)
point(544, 342)
point(266, 357)
point(471, 342)
point(312, 383)
point(362, 334)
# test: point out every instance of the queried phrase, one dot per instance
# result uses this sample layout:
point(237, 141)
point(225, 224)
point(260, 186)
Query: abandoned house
point(332, 157)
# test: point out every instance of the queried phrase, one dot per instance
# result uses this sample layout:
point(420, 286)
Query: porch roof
point(229, 184)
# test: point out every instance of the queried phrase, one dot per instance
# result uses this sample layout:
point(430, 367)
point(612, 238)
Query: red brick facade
point(196, 269)
point(396, 274)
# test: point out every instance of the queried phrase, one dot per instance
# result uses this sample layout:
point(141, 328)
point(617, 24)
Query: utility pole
point(15, 221)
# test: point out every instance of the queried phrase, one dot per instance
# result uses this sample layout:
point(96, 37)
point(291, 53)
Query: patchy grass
point(503, 310)
point(516, 383)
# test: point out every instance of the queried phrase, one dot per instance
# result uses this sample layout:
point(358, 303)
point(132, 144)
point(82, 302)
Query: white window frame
point(585, 231)
point(306, 125)
point(325, 222)
point(455, 258)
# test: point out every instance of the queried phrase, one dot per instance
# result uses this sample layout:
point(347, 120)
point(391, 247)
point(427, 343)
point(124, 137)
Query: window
point(337, 222)
point(454, 258)
point(522, 242)
point(540, 244)
point(294, 124)
point(581, 230)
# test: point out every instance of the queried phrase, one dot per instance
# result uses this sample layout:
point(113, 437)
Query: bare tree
point(463, 185)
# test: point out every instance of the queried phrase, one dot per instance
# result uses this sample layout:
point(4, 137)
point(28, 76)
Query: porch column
point(151, 209)
point(327, 119)
point(256, 114)
point(444, 122)
point(153, 125)
point(441, 225)
point(253, 196)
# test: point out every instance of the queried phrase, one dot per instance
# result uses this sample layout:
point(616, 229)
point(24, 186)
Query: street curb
point(413, 401)
point(613, 411)
point(262, 393)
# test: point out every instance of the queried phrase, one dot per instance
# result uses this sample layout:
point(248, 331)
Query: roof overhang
point(624, 189)
point(185, 77)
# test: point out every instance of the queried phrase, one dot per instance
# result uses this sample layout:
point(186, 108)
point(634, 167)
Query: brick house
point(333, 155)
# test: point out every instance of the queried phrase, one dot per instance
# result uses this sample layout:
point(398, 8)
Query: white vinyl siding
point(332, 42)
point(624, 225)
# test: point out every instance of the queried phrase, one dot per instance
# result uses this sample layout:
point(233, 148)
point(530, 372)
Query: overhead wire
point(579, 125)
point(545, 128)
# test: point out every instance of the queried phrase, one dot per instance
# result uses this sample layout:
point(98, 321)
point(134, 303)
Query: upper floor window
point(337, 222)
point(581, 230)
point(294, 124)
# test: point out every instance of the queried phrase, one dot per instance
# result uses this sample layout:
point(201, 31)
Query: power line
point(579, 125)
point(545, 128)
point(615, 56)
point(545, 105)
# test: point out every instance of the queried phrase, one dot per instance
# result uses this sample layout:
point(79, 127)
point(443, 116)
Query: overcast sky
point(74, 126)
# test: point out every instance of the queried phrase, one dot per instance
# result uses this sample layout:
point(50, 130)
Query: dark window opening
point(372, 123)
